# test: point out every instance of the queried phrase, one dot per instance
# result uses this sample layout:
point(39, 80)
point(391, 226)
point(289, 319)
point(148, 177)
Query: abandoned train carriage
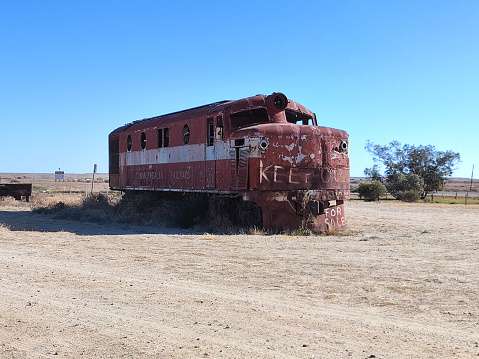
point(264, 149)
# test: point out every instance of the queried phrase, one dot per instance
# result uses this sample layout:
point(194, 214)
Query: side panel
point(191, 167)
point(210, 167)
point(166, 176)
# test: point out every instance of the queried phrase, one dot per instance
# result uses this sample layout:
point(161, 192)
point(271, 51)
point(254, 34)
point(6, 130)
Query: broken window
point(249, 117)
point(128, 143)
point(219, 127)
point(210, 132)
point(186, 134)
point(298, 118)
point(114, 151)
point(166, 137)
point(160, 138)
point(143, 140)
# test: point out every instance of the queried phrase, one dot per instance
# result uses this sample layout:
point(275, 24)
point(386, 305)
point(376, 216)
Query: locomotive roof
point(204, 108)
point(197, 111)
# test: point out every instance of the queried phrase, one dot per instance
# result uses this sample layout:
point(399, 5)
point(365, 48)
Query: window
point(298, 118)
point(114, 151)
point(249, 117)
point(160, 138)
point(166, 137)
point(210, 130)
point(143, 140)
point(128, 143)
point(186, 134)
point(219, 127)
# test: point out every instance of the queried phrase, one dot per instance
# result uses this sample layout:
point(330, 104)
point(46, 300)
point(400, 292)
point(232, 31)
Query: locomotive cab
point(296, 171)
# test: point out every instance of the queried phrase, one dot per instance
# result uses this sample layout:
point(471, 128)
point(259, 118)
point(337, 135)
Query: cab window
point(298, 118)
point(249, 117)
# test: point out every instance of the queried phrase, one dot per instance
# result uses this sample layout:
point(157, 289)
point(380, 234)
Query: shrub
point(408, 196)
point(407, 188)
point(96, 208)
point(93, 208)
point(371, 191)
point(95, 201)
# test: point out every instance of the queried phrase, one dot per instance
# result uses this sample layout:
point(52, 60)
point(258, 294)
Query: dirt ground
point(402, 284)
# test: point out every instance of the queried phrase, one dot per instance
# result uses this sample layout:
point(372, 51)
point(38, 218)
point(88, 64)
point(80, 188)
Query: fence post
point(93, 178)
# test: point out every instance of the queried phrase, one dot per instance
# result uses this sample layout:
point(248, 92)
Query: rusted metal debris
point(16, 190)
point(265, 149)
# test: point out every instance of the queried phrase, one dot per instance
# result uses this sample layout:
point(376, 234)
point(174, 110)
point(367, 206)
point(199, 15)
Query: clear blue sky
point(73, 71)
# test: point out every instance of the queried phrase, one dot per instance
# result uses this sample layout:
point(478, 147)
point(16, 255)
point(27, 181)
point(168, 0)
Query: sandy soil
point(403, 284)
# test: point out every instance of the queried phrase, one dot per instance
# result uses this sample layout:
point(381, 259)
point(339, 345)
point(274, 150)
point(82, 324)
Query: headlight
point(264, 143)
point(280, 101)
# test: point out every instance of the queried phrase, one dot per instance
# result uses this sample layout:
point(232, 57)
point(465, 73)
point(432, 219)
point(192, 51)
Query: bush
point(96, 208)
point(95, 201)
point(371, 191)
point(408, 196)
point(93, 208)
point(407, 188)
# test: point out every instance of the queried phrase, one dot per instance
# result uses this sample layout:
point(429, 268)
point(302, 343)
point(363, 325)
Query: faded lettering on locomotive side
point(147, 178)
point(158, 178)
point(149, 175)
point(179, 175)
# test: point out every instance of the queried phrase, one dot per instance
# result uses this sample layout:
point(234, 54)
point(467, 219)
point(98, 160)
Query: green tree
point(432, 166)
point(407, 188)
point(371, 191)
point(373, 173)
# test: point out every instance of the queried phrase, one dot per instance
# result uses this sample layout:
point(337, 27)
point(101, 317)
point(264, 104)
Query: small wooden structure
point(16, 190)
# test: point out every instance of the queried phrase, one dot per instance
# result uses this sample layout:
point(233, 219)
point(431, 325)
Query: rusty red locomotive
point(265, 150)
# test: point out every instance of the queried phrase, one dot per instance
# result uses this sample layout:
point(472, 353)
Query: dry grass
point(49, 200)
point(333, 231)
